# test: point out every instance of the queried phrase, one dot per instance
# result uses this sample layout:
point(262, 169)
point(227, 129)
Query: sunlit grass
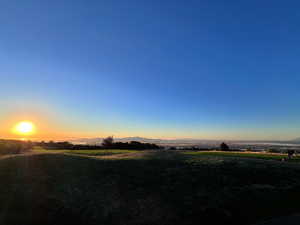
point(86, 152)
point(167, 154)
point(258, 155)
point(99, 152)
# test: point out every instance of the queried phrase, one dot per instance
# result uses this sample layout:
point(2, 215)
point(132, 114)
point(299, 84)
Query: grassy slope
point(255, 155)
point(164, 188)
point(87, 152)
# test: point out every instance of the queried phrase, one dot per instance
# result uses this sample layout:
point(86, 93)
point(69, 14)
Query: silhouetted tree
point(290, 153)
point(108, 142)
point(224, 147)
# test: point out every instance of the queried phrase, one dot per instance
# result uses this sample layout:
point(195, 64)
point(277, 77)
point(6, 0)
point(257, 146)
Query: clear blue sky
point(201, 69)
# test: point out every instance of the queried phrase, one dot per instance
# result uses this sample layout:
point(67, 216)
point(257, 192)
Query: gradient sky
point(195, 69)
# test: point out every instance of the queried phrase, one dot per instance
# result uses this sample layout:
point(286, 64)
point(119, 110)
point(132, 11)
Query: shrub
point(108, 142)
point(224, 147)
point(14, 147)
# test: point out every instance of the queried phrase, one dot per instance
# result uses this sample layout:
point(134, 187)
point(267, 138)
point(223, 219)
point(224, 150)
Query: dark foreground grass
point(162, 189)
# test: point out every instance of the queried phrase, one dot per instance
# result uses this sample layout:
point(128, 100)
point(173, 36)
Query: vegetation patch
point(100, 152)
point(14, 147)
point(255, 155)
point(169, 188)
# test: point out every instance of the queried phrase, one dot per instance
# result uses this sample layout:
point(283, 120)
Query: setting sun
point(24, 128)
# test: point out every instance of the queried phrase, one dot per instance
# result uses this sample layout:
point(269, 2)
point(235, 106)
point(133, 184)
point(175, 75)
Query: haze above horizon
point(157, 69)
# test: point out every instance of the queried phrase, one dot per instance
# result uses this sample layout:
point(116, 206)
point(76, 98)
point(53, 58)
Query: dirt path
point(114, 156)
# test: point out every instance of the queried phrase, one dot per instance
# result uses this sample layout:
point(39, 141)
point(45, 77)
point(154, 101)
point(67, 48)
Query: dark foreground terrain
point(152, 189)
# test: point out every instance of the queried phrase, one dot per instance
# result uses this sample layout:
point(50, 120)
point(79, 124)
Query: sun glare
point(24, 128)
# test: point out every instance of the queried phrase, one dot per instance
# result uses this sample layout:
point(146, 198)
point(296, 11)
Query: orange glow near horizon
point(24, 128)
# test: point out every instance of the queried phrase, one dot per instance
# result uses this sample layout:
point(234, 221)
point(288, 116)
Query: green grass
point(258, 155)
point(100, 152)
point(169, 188)
point(86, 152)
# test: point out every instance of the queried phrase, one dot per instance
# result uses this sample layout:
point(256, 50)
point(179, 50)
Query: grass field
point(87, 152)
point(255, 155)
point(100, 153)
point(164, 188)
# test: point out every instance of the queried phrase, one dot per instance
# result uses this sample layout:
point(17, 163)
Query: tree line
point(108, 143)
point(17, 146)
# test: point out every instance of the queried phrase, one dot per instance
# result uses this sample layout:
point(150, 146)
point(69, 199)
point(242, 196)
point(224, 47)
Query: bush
point(14, 147)
point(108, 142)
point(224, 147)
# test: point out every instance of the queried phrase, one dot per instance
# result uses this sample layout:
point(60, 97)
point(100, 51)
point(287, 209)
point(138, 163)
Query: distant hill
point(96, 141)
point(259, 144)
point(184, 141)
point(296, 140)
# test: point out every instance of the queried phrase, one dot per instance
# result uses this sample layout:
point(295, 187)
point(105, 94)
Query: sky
point(161, 69)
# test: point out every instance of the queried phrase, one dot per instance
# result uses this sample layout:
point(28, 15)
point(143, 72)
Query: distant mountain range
point(178, 142)
point(296, 140)
point(184, 141)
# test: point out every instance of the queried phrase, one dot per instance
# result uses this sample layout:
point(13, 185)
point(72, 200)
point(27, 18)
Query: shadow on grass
point(163, 188)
